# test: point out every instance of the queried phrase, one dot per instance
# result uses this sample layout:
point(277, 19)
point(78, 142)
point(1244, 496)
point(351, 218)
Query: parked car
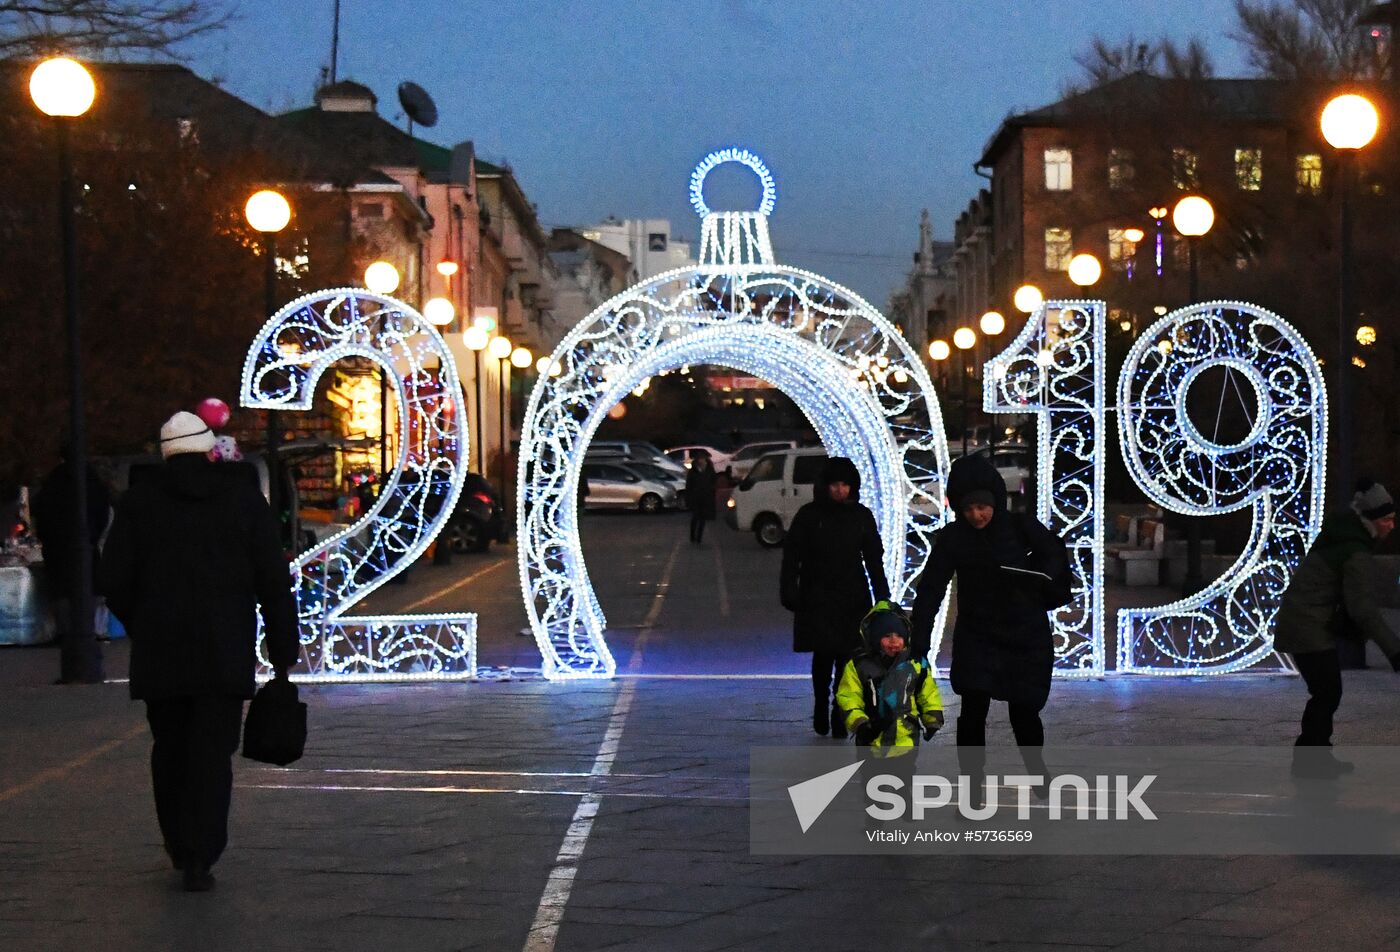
point(685, 455)
point(772, 492)
point(478, 518)
point(744, 458)
point(614, 486)
point(637, 451)
point(660, 474)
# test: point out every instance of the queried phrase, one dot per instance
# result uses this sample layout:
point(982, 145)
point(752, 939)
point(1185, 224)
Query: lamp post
point(381, 277)
point(1027, 298)
point(268, 213)
point(62, 89)
point(501, 349)
point(476, 338)
point(964, 338)
point(1193, 217)
point(1349, 123)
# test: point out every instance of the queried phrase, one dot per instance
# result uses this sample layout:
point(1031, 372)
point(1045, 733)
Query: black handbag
point(274, 731)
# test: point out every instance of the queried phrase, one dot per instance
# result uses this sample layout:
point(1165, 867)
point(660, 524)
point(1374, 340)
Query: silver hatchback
point(615, 486)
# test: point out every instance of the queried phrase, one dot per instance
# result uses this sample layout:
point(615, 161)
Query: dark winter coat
point(1333, 591)
point(53, 524)
point(833, 566)
point(700, 490)
point(1002, 640)
point(191, 556)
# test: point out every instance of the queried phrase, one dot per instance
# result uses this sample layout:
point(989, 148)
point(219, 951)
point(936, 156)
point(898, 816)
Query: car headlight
point(729, 503)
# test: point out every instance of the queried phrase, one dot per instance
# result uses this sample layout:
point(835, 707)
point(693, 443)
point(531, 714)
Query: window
point(1059, 170)
point(656, 241)
point(765, 470)
point(1184, 163)
point(1249, 169)
point(1120, 250)
point(1120, 168)
point(1059, 248)
point(1309, 174)
point(806, 469)
point(371, 210)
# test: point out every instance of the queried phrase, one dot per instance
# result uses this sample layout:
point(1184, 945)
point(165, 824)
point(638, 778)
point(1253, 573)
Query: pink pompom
point(214, 412)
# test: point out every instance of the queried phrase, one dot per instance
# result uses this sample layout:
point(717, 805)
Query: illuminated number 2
point(286, 360)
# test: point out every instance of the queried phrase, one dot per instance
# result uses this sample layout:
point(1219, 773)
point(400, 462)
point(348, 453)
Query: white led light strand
point(1055, 369)
point(1277, 469)
point(863, 388)
point(287, 358)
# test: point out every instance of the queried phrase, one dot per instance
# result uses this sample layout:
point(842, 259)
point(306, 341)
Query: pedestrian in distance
point(1332, 595)
point(192, 556)
point(700, 495)
point(1011, 570)
point(833, 571)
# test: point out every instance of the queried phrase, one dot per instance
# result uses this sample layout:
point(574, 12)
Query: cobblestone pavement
point(518, 815)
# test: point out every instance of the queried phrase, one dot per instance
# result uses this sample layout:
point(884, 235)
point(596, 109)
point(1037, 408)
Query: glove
point(865, 734)
point(932, 724)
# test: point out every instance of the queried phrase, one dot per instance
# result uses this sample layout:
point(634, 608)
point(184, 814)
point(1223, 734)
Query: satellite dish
point(418, 105)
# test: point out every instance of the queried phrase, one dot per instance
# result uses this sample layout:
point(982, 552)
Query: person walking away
point(700, 495)
point(1010, 570)
point(1331, 595)
point(192, 556)
point(832, 572)
point(56, 527)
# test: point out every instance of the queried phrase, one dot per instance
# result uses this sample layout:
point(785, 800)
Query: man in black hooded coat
point(833, 571)
point(1002, 644)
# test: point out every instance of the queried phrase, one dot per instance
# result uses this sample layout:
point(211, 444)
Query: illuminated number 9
point(286, 360)
point(1276, 468)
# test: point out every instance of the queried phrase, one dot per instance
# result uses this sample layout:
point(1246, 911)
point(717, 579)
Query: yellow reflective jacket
point(856, 697)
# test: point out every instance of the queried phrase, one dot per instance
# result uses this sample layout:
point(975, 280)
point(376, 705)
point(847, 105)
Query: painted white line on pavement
point(716, 677)
point(54, 773)
point(720, 584)
point(573, 840)
point(544, 931)
point(426, 599)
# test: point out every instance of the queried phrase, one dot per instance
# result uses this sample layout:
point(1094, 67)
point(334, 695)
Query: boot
point(838, 724)
point(197, 878)
point(820, 724)
point(1318, 763)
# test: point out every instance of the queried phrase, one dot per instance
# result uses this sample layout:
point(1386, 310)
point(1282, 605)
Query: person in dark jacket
point(191, 556)
point(700, 495)
point(56, 526)
point(1332, 590)
point(1002, 643)
point(833, 571)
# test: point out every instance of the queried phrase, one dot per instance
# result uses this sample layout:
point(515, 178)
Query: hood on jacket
point(838, 469)
point(970, 473)
point(193, 476)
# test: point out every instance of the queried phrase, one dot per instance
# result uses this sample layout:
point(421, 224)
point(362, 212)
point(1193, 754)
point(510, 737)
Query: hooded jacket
point(833, 566)
point(1002, 642)
point(898, 694)
point(191, 557)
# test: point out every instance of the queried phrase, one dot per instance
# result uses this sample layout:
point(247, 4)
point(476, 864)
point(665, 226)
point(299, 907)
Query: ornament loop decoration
point(743, 157)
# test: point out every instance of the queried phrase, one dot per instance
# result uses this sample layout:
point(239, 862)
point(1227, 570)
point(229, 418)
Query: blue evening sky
point(866, 112)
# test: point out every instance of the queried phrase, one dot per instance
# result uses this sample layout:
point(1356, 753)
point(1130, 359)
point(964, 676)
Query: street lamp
point(439, 311)
point(501, 349)
point(1085, 270)
point(964, 338)
point(1193, 217)
point(475, 339)
point(268, 212)
point(992, 324)
point(63, 89)
point(381, 277)
point(1349, 123)
point(521, 357)
point(1027, 298)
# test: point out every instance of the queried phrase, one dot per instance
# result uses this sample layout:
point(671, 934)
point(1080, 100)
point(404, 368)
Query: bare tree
point(1104, 62)
point(108, 29)
point(1306, 39)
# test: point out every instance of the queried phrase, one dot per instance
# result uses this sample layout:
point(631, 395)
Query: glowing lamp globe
point(474, 338)
point(485, 322)
point(267, 211)
point(521, 357)
point(1133, 234)
point(439, 311)
point(62, 87)
point(1084, 270)
point(1349, 122)
point(1027, 298)
point(447, 267)
point(382, 278)
point(939, 350)
point(1193, 216)
point(499, 348)
point(1365, 335)
point(992, 323)
point(964, 337)
point(214, 412)
point(542, 365)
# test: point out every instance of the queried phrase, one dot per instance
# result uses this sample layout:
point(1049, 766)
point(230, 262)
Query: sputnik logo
point(810, 798)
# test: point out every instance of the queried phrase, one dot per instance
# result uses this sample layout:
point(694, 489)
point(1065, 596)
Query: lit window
point(1120, 168)
point(1184, 168)
point(1120, 250)
point(1309, 173)
point(1249, 169)
point(1059, 248)
point(1059, 170)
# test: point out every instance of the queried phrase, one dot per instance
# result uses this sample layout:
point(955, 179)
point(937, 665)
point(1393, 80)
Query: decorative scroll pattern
point(1277, 469)
point(1055, 369)
point(286, 360)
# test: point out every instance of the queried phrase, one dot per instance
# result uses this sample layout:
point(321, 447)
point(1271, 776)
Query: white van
point(778, 485)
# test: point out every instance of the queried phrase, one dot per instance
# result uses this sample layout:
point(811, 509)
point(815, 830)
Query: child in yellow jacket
point(887, 697)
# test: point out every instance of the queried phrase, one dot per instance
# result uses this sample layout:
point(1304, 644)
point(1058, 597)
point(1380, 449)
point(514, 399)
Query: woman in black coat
point(700, 495)
point(833, 571)
point(1006, 565)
